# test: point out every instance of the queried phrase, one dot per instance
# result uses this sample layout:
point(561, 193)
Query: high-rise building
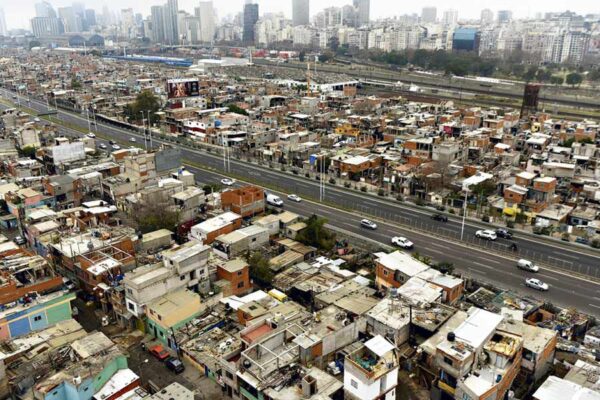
point(250, 19)
point(487, 17)
point(44, 9)
point(46, 26)
point(206, 13)
point(90, 17)
point(71, 20)
point(450, 17)
point(3, 27)
point(157, 17)
point(170, 11)
point(429, 15)
point(504, 16)
point(300, 12)
point(127, 23)
point(363, 11)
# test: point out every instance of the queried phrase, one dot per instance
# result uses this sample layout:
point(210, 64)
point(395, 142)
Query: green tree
point(28, 151)
point(543, 75)
point(315, 234)
point(557, 80)
point(145, 102)
point(574, 79)
point(75, 84)
point(594, 75)
point(152, 217)
point(234, 108)
point(260, 270)
point(530, 74)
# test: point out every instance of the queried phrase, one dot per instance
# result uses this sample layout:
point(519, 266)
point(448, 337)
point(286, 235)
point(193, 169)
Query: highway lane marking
point(552, 278)
point(561, 260)
point(483, 265)
point(490, 260)
point(593, 305)
point(114, 130)
point(596, 298)
point(436, 252)
point(564, 255)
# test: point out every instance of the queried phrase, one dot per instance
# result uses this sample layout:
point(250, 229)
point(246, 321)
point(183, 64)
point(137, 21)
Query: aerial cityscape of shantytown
point(332, 206)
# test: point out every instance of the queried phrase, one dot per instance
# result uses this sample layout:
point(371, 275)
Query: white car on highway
point(132, 140)
point(116, 147)
point(402, 242)
point(91, 135)
point(527, 265)
point(536, 284)
point(102, 146)
point(227, 182)
point(486, 234)
point(367, 223)
point(294, 197)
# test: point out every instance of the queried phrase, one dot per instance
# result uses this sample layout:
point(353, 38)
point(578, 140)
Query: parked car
point(116, 147)
point(274, 200)
point(536, 284)
point(439, 217)
point(20, 240)
point(504, 233)
point(68, 284)
point(91, 135)
point(159, 352)
point(402, 242)
point(295, 198)
point(367, 223)
point(111, 142)
point(132, 140)
point(102, 146)
point(527, 265)
point(486, 234)
point(227, 182)
point(175, 365)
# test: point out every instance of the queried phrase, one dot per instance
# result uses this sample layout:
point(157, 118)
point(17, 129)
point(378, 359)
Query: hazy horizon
point(18, 13)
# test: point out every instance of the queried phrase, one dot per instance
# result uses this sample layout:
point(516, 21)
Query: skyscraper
point(44, 9)
point(3, 27)
point(46, 26)
point(363, 11)
point(504, 16)
point(250, 18)
point(429, 15)
point(157, 17)
point(170, 11)
point(206, 13)
point(450, 17)
point(487, 16)
point(70, 19)
point(127, 23)
point(300, 12)
point(90, 17)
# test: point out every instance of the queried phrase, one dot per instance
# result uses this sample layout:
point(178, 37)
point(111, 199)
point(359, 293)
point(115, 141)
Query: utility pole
point(462, 228)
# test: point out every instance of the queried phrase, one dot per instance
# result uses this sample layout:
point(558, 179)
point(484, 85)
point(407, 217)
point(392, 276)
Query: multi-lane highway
point(494, 264)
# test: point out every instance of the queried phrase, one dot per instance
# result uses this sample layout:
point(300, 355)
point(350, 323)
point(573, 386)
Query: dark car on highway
point(439, 217)
point(504, 233)
point(175, 365)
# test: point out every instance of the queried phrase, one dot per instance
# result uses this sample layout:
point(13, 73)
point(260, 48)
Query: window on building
point(354, 383)
point(241, 285)
point(37, 318)
point(448, 360)
point(182, 277)
point(192, 275)
point(466, 397)
point(240, 273)
point(129, 291)
point(131, 306)
point(385, 272)
point(229, 374)
point(159, 317)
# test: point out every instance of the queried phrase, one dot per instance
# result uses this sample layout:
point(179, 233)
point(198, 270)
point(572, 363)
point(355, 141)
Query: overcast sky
point(18, 12)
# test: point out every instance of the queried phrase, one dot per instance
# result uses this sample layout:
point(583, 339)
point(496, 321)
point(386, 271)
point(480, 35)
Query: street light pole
point(149, 129)
point(145, 133)
point(462, 228)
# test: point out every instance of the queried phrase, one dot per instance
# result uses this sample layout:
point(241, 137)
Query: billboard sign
point(180, 88)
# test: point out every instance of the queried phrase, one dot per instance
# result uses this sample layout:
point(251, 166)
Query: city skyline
point(18, 16)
